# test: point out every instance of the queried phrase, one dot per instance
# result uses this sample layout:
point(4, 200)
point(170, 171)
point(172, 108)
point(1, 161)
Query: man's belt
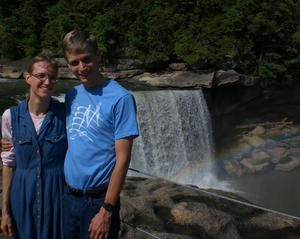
point(87, 192)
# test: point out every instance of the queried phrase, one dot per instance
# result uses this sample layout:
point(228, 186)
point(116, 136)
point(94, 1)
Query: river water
point(176, 144)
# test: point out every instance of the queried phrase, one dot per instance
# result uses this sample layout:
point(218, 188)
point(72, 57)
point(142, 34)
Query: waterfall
point(175, 139)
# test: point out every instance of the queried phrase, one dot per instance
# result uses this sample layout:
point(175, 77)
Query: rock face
point(10, 72)
point(169, 210)
point(273, 146)
point(132, 72)
point(190, 79)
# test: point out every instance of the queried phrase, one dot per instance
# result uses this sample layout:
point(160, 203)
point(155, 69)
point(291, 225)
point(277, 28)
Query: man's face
point(84, 65)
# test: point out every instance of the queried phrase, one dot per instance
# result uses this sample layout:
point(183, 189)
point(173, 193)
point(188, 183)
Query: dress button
point(37, 184)
point(37, 151)
point(38, 201)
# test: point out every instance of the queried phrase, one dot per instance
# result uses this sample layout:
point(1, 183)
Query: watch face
point(108, 207)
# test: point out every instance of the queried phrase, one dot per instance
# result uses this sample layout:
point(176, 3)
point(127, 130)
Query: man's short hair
point(79, 40)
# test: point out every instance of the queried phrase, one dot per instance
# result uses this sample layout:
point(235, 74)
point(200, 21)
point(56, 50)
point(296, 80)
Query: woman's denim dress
point(38, 183)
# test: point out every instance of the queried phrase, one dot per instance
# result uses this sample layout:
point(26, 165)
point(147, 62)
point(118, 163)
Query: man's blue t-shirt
point(96, 117)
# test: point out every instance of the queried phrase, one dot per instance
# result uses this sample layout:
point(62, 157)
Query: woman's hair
point(37, 59)
point(79, 40)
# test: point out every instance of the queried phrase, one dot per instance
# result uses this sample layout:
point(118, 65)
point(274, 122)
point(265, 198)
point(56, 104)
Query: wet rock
point(277, 153)
point(254, 167)
point(259, 156)
point(254, 140)
point(293, 163)
point(258, 131)
point(233, 167)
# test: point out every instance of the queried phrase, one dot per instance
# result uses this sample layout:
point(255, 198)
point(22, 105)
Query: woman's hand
point(5, 145)
point(6, 226)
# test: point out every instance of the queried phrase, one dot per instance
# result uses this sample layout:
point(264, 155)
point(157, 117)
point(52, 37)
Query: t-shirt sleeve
point(69, 97)
point(125, 120)
point(8, 157)
point(67, 103)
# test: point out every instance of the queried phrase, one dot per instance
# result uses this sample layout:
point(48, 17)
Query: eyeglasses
point(43, 77)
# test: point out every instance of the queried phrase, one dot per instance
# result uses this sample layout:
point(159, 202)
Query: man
point(101, 124)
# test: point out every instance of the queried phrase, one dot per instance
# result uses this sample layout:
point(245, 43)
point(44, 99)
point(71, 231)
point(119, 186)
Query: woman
point(33, 181)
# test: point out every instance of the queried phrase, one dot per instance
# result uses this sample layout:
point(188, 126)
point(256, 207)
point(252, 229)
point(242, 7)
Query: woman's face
point(42, 80)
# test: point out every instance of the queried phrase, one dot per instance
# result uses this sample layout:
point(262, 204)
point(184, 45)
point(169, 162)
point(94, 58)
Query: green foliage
point(106, 28)
point(61, 18)
point(262, 37)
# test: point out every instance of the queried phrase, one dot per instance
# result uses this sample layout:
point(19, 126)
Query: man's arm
point(100, 224)
point(7, 175)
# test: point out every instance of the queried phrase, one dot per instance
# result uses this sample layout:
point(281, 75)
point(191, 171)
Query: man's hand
point(100, 225)
point(5, 145)
point(6, 226)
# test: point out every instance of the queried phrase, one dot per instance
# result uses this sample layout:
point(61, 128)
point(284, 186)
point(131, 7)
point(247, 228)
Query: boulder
point(168, 210)
point(277, 154)
point(233, 167)
point(254, 166)
point(12, 75)
point(10, 72)
point(178, 66)
point(255, 141)
point(293, 163)
point(259, 156)
point(258, 131)
point(65, 73)
point(232, 78)
point(229, 77)
point(177, 79)
point(124, 76)
point(293, 141)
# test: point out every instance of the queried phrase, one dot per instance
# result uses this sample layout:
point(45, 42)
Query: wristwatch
point(108, 207)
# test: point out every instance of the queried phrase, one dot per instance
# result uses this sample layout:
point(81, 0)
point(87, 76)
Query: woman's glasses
point(43, 77)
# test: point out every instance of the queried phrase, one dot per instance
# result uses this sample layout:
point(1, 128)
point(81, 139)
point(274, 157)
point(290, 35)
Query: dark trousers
point(78, 213)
